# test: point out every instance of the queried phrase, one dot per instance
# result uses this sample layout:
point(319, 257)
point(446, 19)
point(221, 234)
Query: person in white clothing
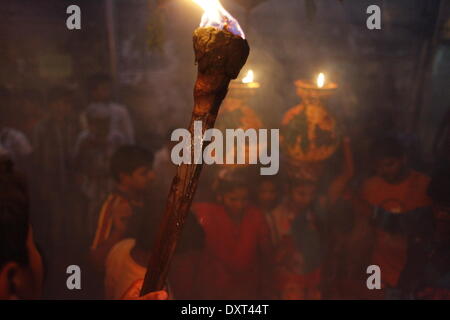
point(100, 95)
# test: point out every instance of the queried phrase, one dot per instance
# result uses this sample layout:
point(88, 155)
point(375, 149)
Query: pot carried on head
point(309, 132)
point(235, 114)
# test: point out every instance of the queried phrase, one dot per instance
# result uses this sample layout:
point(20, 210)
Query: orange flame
point(249, 78)
point(320, 80)
point(216, 16)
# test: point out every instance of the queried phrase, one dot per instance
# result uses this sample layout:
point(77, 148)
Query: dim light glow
point(320, 80)
point(216, 16)
point(249, 78)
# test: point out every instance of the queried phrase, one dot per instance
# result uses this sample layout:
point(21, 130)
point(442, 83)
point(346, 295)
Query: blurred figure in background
point(101, 100)
point(29, 108)
point(307, 229)
point(267, 196)
point(301, 248)
point(12, 139)
point(402, 218)
point(131, 169)
point(238, 250)
point(93, 151)
point(54, 140)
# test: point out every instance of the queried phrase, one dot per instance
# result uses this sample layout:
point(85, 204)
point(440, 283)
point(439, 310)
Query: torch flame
point(216, 16)
point(249, 77)
point(320, 80)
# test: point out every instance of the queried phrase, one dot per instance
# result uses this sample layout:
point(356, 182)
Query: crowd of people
point(73, 180)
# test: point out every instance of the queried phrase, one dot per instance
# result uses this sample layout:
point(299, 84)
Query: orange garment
point(408, 195)
point(390, 249)
point(233, 260)
point(113, 214)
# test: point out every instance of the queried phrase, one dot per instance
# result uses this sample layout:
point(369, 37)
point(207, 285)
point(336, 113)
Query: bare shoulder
point(122, 206)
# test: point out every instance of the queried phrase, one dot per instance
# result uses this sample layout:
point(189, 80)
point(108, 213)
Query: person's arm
point(339, 184)
point(100, 253)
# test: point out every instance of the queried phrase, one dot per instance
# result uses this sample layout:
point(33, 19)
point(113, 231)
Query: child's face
point(236, 201)
point(390, 169)
point(267, 195)
point(140, 178)
point(303, 196)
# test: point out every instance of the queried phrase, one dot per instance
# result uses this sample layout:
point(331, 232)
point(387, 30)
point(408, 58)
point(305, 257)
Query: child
point(131, 169)
point(332, 189)
point(399, 195)
point(237, 243)
point(267, 198)
point(301, 224)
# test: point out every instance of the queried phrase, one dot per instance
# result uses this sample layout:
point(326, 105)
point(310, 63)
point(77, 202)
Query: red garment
point(390, 250)
point(183, 277)
point(294, 286)
point(234, 254)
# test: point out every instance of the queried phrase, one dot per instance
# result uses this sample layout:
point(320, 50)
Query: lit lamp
point(320, 80)
point(249, 80)
point(244, 88)
point(320, 88)
point(309, 132)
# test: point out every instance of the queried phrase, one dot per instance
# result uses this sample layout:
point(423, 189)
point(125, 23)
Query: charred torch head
point(219, 51)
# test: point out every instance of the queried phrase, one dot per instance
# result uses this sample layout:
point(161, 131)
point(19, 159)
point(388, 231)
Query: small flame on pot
point(320, 80)
point(249, 78)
